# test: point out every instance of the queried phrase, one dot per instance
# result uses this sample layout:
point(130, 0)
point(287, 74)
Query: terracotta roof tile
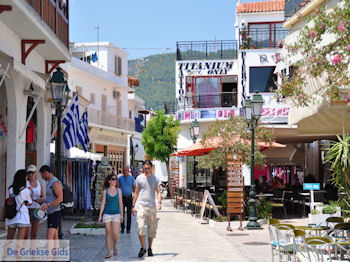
point(265, 6)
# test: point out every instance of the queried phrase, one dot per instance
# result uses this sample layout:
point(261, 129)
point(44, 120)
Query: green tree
point(159, 138)
point(232, 137)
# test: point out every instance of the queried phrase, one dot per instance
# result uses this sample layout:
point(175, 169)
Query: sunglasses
point(147, 169)
point(113, 178)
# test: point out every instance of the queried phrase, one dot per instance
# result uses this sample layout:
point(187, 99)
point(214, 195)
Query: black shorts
point(54, 219)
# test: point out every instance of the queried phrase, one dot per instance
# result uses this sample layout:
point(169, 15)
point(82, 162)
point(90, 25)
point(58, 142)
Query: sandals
point(115, 252)
point(108, 256)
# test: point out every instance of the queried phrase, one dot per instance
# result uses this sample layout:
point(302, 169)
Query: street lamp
point(252, 110)
point(60, 96)
point(194, 131)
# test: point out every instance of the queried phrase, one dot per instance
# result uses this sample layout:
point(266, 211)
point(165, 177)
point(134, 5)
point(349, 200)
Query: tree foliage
point(320, 54)
point(157, 79)
point(159, 138)
point(234, 138)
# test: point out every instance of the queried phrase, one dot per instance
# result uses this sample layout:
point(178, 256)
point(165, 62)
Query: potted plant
point(319, 215)
point(84, 228)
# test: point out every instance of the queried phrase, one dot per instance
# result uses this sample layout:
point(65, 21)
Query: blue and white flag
point(83, 133)
point(71, 120)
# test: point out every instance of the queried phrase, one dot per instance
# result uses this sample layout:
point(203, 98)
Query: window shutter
point(119, 66)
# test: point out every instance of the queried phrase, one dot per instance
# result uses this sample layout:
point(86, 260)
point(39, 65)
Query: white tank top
point(37, 194)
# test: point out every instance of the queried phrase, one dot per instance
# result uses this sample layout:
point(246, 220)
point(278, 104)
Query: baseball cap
point(31, 168)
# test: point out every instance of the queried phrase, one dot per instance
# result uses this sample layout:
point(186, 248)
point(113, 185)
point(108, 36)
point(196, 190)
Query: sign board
point(235, 188)
point(311, 186)
point(206, 197)
point(174, 175)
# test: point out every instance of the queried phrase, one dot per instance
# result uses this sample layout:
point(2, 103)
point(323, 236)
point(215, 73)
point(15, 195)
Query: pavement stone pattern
point(179, 238)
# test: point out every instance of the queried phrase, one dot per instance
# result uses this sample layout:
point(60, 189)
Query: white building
point(98, 72)
point(31, 45)
point(214, 77)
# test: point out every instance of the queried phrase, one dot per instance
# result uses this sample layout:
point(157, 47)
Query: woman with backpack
point(38, 198)
point(112, 204)
point(17, 213)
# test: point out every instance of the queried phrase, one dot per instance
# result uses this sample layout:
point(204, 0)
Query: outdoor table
point(317, 229)
point(341, 242)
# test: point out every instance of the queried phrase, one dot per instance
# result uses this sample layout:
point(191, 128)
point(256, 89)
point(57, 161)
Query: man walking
point(146, 186)
point(127, 184)
point(54, 197)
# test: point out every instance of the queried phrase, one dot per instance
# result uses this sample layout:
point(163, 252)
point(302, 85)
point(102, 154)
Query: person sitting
point(296, 184)
point(264, 186)
point(279, 184)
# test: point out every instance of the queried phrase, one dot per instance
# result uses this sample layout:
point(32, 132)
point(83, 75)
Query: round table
point(313, 229)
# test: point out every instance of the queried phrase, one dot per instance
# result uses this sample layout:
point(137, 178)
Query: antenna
point(98, 45)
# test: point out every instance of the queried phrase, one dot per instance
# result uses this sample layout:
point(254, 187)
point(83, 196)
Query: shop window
point(262, 79)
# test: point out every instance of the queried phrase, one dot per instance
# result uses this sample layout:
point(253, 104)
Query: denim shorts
point(17, 225)
point(111, 218)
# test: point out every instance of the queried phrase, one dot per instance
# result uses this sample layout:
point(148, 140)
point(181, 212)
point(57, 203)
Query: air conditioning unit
point(116, 94)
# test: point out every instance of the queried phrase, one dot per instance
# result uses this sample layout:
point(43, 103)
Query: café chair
point(278, 201)
point(333, 221)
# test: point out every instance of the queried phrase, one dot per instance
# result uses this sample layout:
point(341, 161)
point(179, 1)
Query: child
point(112, 203)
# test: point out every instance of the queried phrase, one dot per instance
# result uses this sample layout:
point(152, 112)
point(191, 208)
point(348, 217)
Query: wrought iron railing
point(109, 119)
point(262, 38)
point(212, 100)
point(206, 50)
point(293, 6)
point(55, 14)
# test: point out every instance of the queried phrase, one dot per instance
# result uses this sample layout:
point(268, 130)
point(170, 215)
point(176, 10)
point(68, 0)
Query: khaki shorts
point(111, 218)
point(147, 220)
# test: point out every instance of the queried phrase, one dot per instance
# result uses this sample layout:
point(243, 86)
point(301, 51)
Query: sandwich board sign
point(206, 197)
point(312, 187)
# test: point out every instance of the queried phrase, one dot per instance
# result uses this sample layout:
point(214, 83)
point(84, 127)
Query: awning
point(198, 149)
point(25, 71)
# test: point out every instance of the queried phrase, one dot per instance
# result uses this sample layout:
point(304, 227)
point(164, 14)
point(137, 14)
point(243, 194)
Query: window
point(130, 114)
point(262, 79)
point(92, 98)
point(79, 90)
point(266, 34)
point(118, 65)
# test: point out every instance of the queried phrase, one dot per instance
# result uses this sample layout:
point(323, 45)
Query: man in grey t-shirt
point(146, 187)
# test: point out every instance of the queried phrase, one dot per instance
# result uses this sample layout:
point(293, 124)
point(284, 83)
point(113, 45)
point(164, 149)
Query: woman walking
point(23, 198)
point(112, 203)
point(37, 196)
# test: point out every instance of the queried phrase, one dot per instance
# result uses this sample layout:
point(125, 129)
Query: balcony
point(54, 15)
point(206, 50)
point(212, 100)
point(293, 6)
point(262, 38)
point(111, 120)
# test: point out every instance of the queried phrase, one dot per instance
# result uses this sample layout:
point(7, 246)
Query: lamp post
point(194, 131)
point(252, 112)
point(60, 95)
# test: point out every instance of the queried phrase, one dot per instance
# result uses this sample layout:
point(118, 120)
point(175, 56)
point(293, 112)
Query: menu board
point(235, 187)
point(174, 175)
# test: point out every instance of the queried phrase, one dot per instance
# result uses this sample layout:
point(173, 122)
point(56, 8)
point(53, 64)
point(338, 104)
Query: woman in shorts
point(21, 222)
point(112, 203)
point(38, 197)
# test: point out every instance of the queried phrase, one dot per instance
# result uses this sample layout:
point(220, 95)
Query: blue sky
point(142, 25)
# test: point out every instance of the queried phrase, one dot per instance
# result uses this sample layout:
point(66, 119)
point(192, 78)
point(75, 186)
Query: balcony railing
point(112, 120)
point(293, 6)
point(262, 38)
point(206, 50)
point(55, 15)
point(212, 100)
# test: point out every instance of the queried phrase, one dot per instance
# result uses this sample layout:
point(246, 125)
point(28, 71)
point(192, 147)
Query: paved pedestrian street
point(180, 238)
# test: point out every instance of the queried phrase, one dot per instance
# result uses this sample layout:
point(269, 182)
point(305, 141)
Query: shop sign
point(275, 111)
point(206, 67)
point(207, 114)
point(235, 188)
point(311, 186)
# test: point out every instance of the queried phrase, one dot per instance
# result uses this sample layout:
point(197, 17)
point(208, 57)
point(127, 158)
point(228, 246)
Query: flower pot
point(87, 231)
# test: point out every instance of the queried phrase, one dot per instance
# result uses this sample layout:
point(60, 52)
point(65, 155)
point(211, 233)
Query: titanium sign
point(206, 68)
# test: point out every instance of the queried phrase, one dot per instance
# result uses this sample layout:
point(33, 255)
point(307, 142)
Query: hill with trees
point(156, 74)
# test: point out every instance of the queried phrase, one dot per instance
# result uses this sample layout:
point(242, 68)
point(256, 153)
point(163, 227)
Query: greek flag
point(83, 134)
point(71, 120)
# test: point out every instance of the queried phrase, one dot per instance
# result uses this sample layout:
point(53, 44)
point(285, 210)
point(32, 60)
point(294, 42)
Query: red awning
point(198, 148)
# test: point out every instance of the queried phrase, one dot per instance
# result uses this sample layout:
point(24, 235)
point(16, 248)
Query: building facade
point(32, 44)
point(98, 72)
